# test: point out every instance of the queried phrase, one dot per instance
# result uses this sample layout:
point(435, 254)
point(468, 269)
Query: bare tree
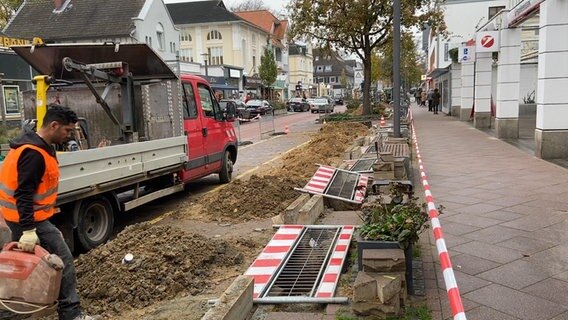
point(249, 5)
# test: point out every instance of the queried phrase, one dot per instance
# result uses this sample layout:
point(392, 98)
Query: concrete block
point(387, 156)
point(376, 308)
point(388, 285)
point(277, 220)
point(356, 152)
point(383, 260)
point(311, 210)
point(383, 175)
point(235, 303)
point(364, 288)
point(383, 166)
point(290, 215)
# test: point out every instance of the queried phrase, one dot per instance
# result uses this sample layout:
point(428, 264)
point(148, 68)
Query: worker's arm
point(31, 168)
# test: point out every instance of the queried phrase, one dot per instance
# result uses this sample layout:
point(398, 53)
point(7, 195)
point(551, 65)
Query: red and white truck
point(144, 131)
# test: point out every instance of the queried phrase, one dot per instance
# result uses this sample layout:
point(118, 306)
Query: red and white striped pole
point(454, 296)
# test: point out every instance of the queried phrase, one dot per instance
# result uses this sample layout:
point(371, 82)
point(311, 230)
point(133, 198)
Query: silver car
point(321, 105)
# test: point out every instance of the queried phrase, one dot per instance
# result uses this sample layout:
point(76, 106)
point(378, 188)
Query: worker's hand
point(28, 240)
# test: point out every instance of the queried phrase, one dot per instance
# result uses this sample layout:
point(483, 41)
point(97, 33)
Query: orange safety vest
point(45, 194)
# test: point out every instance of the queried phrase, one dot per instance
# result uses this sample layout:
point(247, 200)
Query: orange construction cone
point(383, 121)
point(286, 130)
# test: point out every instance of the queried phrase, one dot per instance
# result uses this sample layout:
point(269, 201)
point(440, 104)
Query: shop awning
point(438, 72)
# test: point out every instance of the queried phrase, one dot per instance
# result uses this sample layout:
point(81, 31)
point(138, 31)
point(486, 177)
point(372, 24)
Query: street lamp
point(205, 58)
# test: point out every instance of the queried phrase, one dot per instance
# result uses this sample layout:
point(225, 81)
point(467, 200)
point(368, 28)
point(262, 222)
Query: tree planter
point(377, 244)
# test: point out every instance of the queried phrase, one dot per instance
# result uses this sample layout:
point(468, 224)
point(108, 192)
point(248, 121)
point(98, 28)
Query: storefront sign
point(234, 73)
point(466, 54)
point(522, 11)
point(7, 42)
point(487, 41)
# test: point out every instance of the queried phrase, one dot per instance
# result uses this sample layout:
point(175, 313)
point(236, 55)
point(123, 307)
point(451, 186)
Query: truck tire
point(95, 222)
point(226, 173)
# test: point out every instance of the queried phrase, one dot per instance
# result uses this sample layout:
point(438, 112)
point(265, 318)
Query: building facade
point(221, 41)
point(85, 21)
point(333, 75)
point(300, 59)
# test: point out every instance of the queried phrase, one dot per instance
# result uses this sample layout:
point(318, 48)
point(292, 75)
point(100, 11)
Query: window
point(319, 69)
point(186, 55)
point(320, 79)
point(494, 10)
point(209, 104)
point(214, 35)
point(185, 36)
point(11, 99)
point(189, 105)
point(327, 68)
point(332, 79)
point(161, 37)
point(215, 55)
point(174, 47)
point(254, 60)
point(254, 40)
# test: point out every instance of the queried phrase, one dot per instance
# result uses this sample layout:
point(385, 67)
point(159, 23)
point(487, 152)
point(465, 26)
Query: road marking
point(160, 218)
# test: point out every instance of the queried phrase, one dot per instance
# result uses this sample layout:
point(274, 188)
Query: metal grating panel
point(398, 150)
point(363, 165)
point(343, 185)
point(302, 272)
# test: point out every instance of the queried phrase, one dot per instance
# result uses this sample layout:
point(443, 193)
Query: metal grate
point(302, 272)
point(363, 165)
point(343, 185)
point(372, 149)
point(398, 150)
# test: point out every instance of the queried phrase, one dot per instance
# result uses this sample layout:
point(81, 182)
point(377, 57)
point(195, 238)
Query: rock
point(383, 260)
point(376, 308)
point(388, 286)
point(364, 288)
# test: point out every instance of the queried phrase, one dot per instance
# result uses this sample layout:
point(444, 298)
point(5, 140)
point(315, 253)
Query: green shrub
point(277, 105)
point(353, 104)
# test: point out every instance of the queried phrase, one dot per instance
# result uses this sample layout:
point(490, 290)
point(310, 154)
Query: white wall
point(461, 18)
point(155, 12)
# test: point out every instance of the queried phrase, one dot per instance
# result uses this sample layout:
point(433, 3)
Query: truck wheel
point(95, 222)
point(226, 173)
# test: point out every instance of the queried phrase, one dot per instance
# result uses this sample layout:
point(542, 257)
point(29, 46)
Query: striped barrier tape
point(454, 296)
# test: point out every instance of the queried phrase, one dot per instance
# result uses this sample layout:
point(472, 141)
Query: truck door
point(214, 134)
point(193, 128)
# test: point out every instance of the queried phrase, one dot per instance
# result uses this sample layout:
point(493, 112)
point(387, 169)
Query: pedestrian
point(29, 180)
point(423, 98)
point(417, 95)
point(430, 103)
point(218, 95)
point(436, 100)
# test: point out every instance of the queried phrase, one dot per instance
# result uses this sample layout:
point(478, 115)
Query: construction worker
point(29, 179)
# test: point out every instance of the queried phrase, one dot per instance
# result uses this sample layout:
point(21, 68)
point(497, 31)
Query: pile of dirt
point(327, 147)
point(268, 195)
point(257, 197)
point(168, 263)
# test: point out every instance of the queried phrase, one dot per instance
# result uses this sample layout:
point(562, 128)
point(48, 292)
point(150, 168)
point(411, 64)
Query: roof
point(267, 22)
point(297, 49)
point(200, 12)
point(337, 64)
point(81, 19)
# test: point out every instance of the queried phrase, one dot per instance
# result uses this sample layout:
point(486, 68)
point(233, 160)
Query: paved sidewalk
point(504, 224)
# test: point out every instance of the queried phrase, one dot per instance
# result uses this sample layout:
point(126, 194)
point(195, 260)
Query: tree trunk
point(367, 83)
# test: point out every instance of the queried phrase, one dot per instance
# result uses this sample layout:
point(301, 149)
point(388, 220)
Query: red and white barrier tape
point(445, 262)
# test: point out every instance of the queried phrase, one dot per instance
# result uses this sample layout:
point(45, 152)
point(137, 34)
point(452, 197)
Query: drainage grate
point(302, 272)
point(363, 165)
point(337, 184)
point(398, 150)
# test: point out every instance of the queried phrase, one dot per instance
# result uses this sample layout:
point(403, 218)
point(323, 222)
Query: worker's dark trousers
point(430, 105)
point(51, 239)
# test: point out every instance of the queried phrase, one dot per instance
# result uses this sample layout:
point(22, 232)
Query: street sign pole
point(396, 68)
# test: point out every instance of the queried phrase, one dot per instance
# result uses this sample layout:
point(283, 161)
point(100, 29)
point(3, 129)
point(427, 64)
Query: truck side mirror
point(230, 113)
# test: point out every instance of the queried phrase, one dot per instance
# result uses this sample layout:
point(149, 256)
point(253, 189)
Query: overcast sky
point(276, 5)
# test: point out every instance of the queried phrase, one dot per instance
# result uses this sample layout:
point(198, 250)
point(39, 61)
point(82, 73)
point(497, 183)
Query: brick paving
point(505, 224)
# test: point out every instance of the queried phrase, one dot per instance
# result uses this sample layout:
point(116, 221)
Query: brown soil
point(168, 263)
point(268, 195)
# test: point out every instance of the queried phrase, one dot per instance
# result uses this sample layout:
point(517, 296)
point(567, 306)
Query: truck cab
point(211, 138)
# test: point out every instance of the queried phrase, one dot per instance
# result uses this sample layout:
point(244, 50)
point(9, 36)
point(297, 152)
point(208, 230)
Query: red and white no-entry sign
point(487, 41)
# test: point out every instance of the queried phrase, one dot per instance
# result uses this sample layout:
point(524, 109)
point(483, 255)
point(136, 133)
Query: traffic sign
point(487, 41)
point(466, 54)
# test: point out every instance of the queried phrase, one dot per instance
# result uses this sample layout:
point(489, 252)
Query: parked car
point(338, 100)
point(242, 111)
point(321, 104)
point(259, 107)
point(298, 105)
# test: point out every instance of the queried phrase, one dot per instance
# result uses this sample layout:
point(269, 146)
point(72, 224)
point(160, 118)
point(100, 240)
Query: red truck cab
point(212, 140)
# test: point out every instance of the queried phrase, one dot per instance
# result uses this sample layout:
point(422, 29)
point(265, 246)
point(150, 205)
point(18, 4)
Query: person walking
point(436, 100)
point(417, 95)
point(430, 103)
point(423, 98)
point(29, 179)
